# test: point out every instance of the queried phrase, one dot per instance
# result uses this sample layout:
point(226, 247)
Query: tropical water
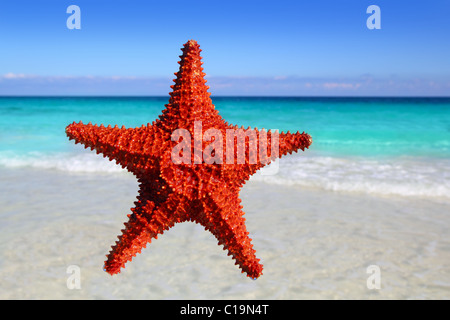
point(384, 146)
point(373, 190)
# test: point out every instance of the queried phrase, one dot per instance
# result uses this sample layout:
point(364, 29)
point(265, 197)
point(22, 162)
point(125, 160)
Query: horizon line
point(230, 96)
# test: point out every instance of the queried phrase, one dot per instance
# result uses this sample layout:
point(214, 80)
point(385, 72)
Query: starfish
point(177, 185)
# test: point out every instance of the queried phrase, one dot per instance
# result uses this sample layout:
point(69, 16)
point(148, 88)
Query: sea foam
point(69, 162)
point(403, 176)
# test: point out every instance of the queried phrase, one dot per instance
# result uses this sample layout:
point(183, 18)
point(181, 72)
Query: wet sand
point(313, 244)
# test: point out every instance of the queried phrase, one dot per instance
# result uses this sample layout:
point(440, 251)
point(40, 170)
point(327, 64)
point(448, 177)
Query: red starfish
point(177, 185)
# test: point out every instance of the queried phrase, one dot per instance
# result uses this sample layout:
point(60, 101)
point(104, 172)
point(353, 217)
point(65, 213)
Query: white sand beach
point(313, 244)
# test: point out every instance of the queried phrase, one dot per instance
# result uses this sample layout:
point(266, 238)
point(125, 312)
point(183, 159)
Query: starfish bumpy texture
point(176, 185)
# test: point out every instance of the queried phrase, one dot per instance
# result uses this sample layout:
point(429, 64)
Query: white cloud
point(11, 75)
point(365, 85)
point(341, 85)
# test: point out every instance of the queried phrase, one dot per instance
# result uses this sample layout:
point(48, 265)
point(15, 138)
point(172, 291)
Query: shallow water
point(313, 244)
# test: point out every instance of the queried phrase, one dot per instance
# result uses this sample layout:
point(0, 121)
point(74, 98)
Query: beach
point(313, 244)
point(362, 214)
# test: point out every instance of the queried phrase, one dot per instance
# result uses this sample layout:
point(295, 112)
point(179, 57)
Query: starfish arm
point(134, 237)
point(292, 142)
point(223, 217)
point(145, 223)
point(260, 149)
point(131, 148)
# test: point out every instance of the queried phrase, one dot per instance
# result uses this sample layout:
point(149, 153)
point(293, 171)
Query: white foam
point(394, 176)
point(70, 162)
point(390, 176)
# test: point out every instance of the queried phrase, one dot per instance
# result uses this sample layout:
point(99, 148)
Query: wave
point(69, 162)
point(401, 176)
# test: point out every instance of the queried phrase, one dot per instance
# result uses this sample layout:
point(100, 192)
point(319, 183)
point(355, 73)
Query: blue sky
point(249, 47)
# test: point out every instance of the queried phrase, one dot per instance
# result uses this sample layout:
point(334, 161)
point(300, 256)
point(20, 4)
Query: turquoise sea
point(398, 146)
point(372, 190)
